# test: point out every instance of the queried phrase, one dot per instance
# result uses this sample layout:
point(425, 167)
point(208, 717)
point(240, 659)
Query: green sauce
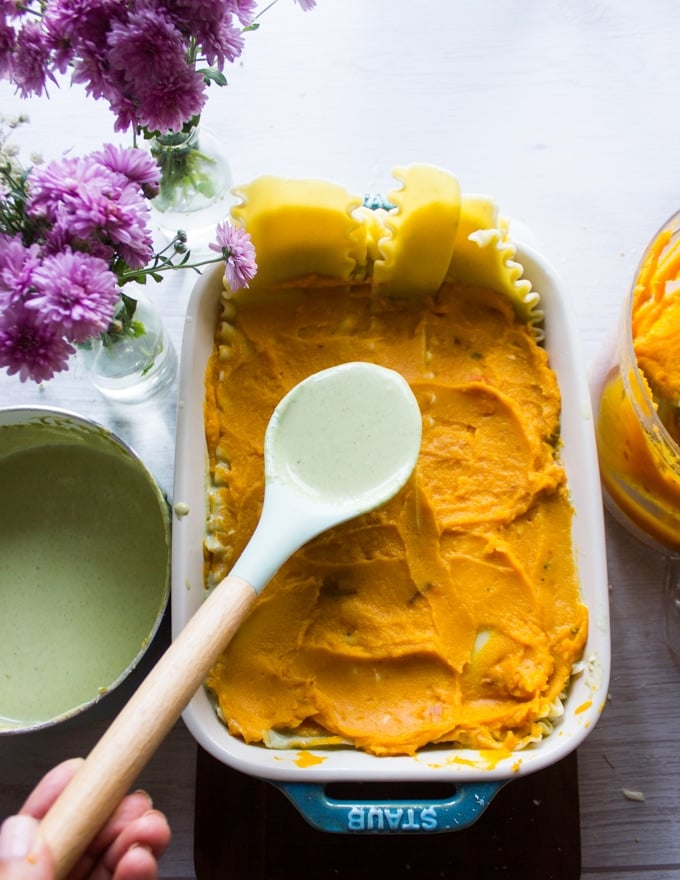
point(83, 572)
point(347, 433)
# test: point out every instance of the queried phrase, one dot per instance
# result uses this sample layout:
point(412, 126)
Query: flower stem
point(165, 266)
point(266, 8)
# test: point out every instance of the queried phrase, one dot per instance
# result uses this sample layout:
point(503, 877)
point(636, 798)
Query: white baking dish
point(473, 775)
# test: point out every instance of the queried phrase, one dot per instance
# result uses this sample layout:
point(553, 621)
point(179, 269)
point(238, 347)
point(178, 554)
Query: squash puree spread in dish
point(453, 613)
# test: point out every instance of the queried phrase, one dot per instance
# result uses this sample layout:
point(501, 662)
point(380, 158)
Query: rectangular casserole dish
point(474, 776)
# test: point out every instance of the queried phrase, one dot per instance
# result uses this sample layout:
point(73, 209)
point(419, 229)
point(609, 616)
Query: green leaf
point(130, 306)
point(212, 75)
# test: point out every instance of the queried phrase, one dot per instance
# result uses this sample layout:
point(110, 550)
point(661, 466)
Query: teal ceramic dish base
point(428, 816)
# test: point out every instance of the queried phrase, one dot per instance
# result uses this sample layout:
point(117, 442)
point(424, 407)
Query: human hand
point(127, 848)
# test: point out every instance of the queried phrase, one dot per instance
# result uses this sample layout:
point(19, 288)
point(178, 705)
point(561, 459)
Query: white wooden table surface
point(567, 114)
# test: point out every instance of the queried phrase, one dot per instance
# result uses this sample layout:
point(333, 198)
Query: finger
point(22, 857)
point(132, 807)
point(150, 830)
point(49, 788)
point(150, 833)
point(138, 863)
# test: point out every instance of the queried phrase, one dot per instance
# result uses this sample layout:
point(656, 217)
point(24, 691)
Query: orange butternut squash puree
point(656, 318)
point(635, 467)
point(640, 470)
point(453, 613)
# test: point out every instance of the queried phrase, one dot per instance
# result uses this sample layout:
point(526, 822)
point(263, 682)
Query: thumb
point(22, 857)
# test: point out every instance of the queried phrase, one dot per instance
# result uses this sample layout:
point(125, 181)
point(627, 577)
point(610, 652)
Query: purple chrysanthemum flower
point(86, 24)
point(59, 36)
point(244, 10)
point(17, 264)
point(8, 41)
point(59, 238)
point(222, 43)
point(191, 16)
point(166, 106)
point(126, 228)
point(31, 347)
point(11, 9)
point(75, 196)
point(306, 5)
point(137, 166)
point(212, 25)
point(82, 22)
point(237, 248)
point(93, 208)
point(89, 69)
point(145, 46)
point(75, 293)
point(105, 226)
point(149, 80)
point(31, 61)
point(61, 186)
point(124, 108)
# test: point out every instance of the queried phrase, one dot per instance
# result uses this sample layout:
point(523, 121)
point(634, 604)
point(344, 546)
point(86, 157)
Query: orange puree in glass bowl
point(637, 424)
point(453, 613)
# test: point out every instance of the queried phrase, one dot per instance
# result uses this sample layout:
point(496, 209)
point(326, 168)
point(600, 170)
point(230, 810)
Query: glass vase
point(135, 359)
point(194, 186)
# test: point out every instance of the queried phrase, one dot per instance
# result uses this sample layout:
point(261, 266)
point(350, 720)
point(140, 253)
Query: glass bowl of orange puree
point(638, 420)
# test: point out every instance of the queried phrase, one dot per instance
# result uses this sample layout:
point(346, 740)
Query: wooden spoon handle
point(123, 751)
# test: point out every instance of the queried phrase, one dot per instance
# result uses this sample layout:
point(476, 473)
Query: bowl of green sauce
point(84, 565)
